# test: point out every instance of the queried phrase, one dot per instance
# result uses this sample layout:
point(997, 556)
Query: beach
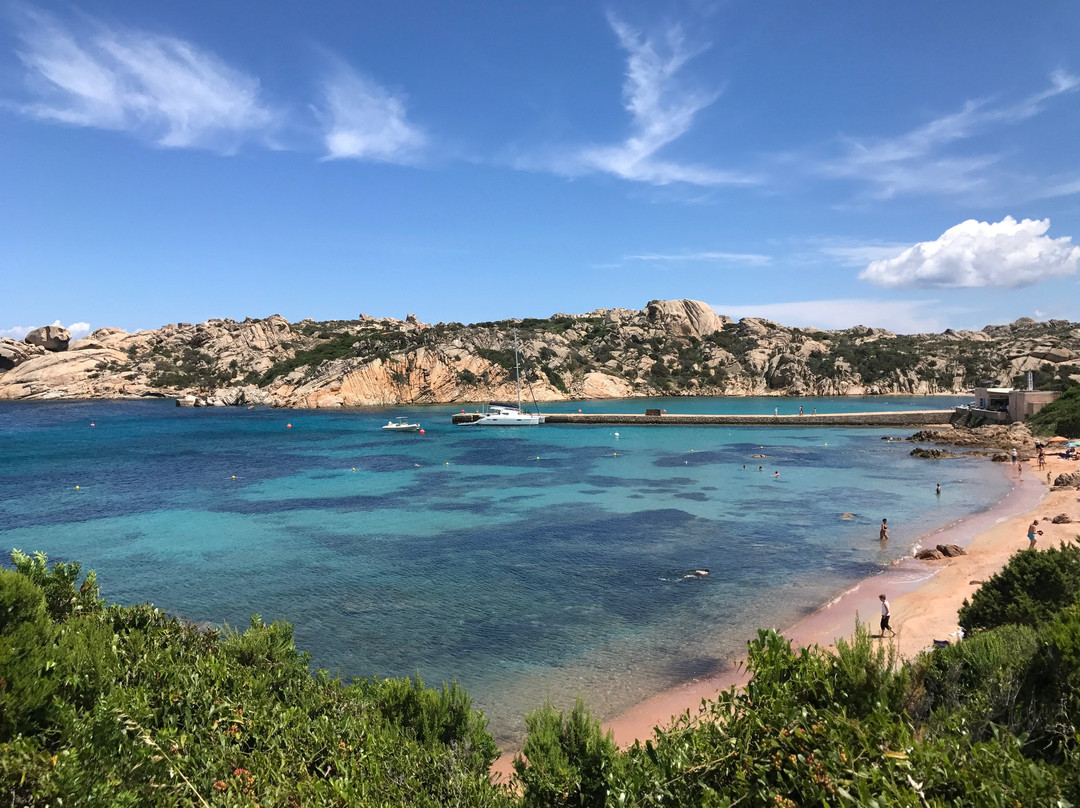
point(925, 596)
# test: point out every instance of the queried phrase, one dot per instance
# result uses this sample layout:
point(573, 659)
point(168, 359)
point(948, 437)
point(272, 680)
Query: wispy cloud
point(661, 109)
point(916, 162)
point(902, 316)
point(973, 254)
point(859, 255)
point(364, 121)
point(710, 257)
point(160, 87)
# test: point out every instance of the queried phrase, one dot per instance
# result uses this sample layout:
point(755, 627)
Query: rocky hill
point(679, 347)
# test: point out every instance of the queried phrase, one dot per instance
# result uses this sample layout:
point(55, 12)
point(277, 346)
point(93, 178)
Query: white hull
point(401, 427)
point(507, 419)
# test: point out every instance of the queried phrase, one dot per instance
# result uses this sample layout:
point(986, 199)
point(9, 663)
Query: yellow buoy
point(234, 476)
point(76, 488)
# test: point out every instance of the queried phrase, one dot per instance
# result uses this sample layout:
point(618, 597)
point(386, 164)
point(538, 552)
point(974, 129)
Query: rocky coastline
point(669, 348)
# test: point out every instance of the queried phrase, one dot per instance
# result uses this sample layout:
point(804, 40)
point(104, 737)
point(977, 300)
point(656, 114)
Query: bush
point(1030, 590)
point(978, 680)
point(64, 597)
point(566, 755)
point(1061, 417)
point(26, 639)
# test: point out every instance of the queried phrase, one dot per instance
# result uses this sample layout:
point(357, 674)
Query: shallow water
point(527, 563)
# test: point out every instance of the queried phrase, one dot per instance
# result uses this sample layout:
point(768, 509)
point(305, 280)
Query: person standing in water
point(883, 534)
point(938, 491)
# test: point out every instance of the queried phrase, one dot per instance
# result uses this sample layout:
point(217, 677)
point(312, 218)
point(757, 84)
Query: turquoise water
point(527, 563)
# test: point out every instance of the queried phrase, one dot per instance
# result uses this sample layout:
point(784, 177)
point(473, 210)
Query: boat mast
point(517, 370)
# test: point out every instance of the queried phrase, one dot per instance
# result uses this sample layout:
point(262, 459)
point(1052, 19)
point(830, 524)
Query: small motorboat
point(401, 425)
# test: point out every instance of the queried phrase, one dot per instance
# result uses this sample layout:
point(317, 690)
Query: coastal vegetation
point(124, 705)
point(1060, 417)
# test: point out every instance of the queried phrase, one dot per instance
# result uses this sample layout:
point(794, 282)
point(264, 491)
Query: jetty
point(658, 418)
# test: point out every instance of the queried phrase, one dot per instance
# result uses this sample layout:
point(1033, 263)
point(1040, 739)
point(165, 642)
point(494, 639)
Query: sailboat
point(508, 414)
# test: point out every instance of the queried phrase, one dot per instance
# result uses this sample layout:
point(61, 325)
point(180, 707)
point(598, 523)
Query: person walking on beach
point(886, 613)
point(1015, 456)
point(1032, 530)
point(883, 534)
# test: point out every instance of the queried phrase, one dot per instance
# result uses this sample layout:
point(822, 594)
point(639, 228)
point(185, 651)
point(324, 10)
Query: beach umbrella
point(1058, 439)
point(1072, 444)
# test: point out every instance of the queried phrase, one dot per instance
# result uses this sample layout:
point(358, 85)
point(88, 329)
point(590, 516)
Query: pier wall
point(904, 419)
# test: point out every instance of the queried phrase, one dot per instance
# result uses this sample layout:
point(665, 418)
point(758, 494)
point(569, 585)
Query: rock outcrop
point(990, 436)
point(49, 337)
point(670, 348)
point(13, 354)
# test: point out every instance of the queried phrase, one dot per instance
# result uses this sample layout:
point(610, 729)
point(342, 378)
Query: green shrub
point(64, 596)
point(443, 716)
point(1060, 417)
point(978, 682)
point(26, 649)
point(1030, 590)
point(568, 759)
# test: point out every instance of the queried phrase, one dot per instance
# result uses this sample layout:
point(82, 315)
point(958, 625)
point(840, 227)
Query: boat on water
point(509, 414)
point(401, 425)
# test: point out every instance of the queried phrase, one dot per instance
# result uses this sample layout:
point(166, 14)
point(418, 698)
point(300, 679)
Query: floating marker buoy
point(354, 468)
point(76, 488)
point(463, 411)
point(614, 454)
point(288, 426)
point(664, 411)
point(616, 434)
point(92, 423)
point(579, 410)
point(234, 476)
point(826, 444)
point(691, 451)
point(422, 432)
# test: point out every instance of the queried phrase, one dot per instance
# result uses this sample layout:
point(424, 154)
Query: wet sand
point(924, 595)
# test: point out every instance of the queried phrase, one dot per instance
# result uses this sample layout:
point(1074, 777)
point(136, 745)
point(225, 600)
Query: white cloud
point(914, 162)
point(134, 81)
point(901, 316)
point(364, 121)
point(971, 254)
point(19, 332)
point(715, 257)
point(661, 112)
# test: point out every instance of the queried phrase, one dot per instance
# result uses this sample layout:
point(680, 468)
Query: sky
point(912, 166)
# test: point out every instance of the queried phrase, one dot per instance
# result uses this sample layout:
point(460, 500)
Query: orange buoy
point(422, 432)
point(288, 426)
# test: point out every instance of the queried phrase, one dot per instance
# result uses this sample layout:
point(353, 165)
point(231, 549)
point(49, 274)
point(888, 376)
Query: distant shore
point(925, 596)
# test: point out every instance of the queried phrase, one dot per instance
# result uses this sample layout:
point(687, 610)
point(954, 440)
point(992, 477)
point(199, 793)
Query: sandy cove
point(925, 596)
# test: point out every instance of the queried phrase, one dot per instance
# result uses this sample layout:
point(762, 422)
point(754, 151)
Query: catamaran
point(507, 414)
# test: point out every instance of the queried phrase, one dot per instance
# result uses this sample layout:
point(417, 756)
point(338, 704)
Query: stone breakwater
point(909, 418)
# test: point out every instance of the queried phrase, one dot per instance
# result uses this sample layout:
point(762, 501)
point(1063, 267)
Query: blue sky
point(913, 165)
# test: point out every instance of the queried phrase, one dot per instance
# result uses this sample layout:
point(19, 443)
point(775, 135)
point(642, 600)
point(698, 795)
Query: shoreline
point(924, 595)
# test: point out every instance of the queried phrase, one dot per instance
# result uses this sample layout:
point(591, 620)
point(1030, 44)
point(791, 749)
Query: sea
point(529, 564)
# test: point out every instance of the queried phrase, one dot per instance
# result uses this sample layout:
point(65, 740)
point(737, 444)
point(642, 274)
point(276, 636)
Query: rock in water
point(951, 550)
point(50, 337)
